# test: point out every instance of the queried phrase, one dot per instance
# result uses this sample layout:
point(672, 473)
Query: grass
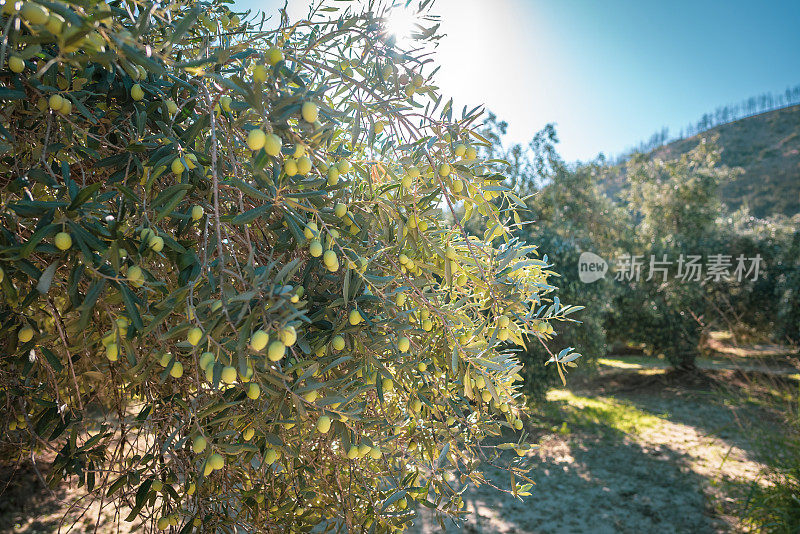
point(633, 362)
point(772, 504)
point(604, 415)
point(775, 506)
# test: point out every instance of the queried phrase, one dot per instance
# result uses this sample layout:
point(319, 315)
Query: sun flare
point(401, 23)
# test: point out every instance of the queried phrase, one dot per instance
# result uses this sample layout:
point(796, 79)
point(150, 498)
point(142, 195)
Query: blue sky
point(608, 73)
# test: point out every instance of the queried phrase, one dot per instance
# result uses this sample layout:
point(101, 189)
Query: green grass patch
point(605, 415)
point(633, 362)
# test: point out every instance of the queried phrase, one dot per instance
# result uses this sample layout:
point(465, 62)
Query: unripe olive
point(156, 243)
point(216, 461)
point(288, 336)
point(34, 13)
point(324, 424)
point(194, 336)
point(228, 375)
point(276, 351)
point(309, 111)
point(272, 145)
point(199, 444)
point(137, 93)
point(63, 241)
point(290, 167)
point(177, 166)
point(333, 176)
point(274, 55)
point(330, 259)
point(177, 370)
point(55, 24)
point(16, 64)
point(403, 344)
point(259, 340)
point(304, 165)
point(135, 275)
point(355, 317)
point(56, 102)
point(206, 359)
point(256, 139)
point(260, 73)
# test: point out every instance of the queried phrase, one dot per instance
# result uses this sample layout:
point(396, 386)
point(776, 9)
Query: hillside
point(767, 148)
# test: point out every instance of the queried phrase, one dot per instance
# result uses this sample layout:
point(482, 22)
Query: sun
point(401, 23)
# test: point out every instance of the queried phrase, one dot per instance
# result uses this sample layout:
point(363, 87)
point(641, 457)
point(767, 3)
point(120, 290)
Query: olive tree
point(674, 207)
point(229, 297)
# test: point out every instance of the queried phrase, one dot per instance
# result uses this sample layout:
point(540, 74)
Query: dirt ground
point(640, 451)
point(27, 506)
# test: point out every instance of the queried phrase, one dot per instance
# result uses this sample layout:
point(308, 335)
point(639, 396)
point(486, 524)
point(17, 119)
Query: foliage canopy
point(230, 298)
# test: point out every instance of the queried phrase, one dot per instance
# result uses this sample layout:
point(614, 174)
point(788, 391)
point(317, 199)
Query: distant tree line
point(722, 115)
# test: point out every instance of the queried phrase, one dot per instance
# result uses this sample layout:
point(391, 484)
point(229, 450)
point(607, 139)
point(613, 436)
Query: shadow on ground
point(28, 506)
point(641, 454)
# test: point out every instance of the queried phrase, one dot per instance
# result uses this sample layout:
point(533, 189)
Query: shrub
point(229, 299)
